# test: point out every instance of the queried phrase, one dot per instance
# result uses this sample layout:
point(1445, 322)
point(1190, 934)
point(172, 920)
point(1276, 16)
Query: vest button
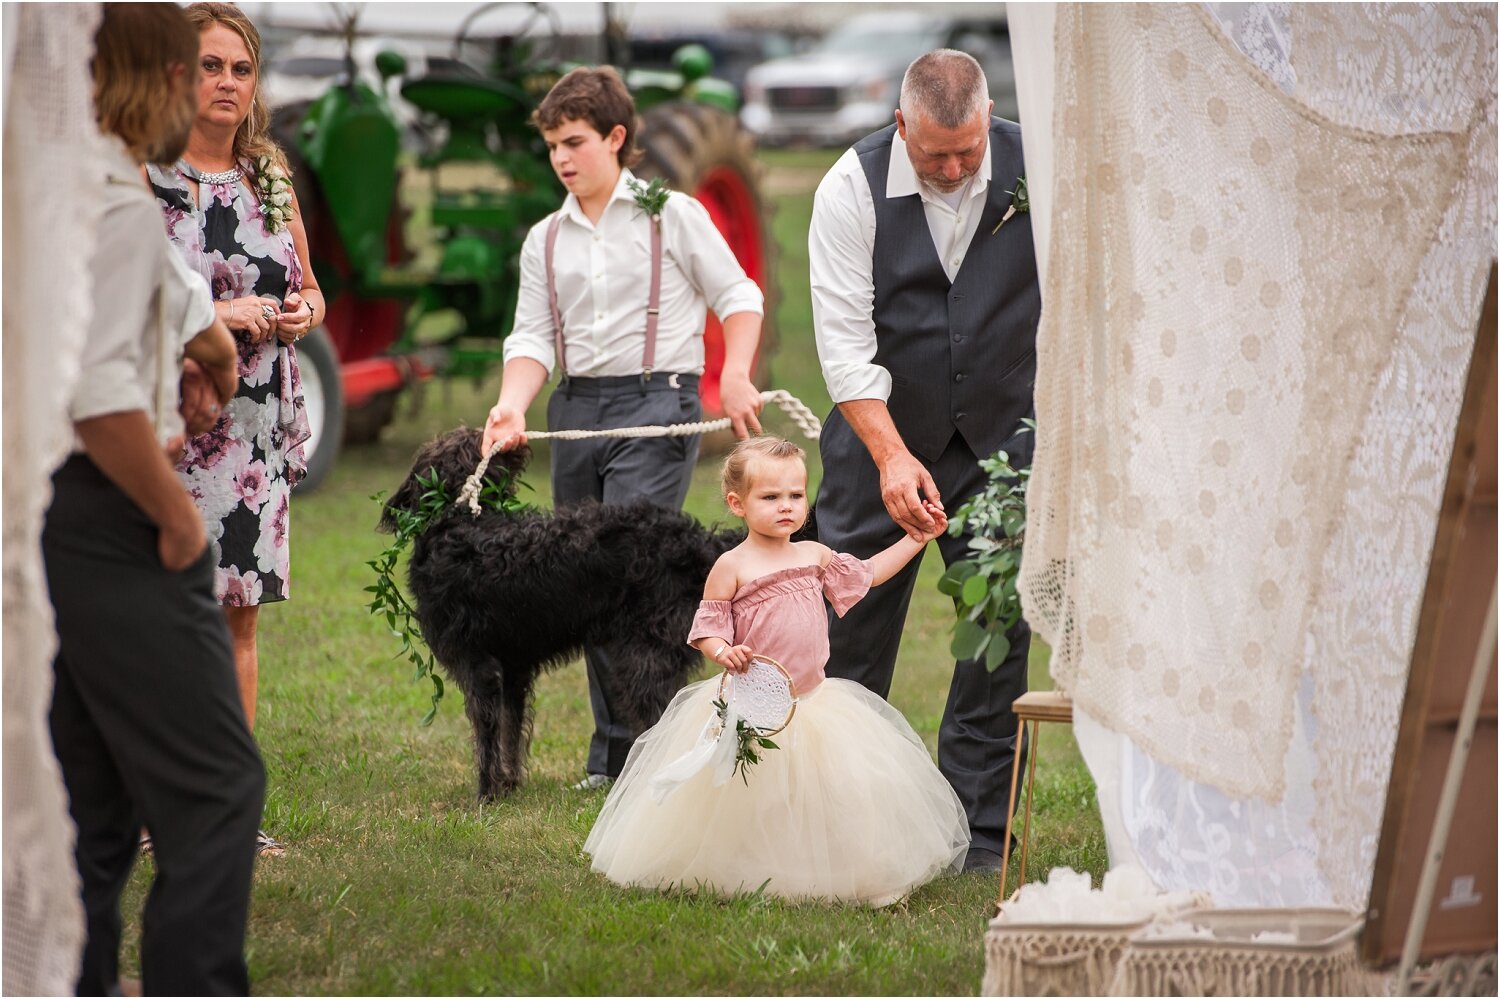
point(959, 377)
point(958, 338)
point(958, 416)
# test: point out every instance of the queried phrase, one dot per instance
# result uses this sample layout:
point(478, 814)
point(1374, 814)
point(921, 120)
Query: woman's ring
point(214, 408)
point(268, 312)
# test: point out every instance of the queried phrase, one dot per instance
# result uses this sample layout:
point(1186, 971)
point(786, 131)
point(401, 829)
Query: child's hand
point(736, 658)
point(939, 521)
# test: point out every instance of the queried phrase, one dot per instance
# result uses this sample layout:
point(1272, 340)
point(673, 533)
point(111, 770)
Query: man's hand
point(742, 404)
point(506, 426)
point(125, 448)
point(907, 490)
point(181, 540)
point(199, 400)
point(904, 481)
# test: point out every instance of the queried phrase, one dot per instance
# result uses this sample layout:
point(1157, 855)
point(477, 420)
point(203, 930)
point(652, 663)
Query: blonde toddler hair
point(736, 472)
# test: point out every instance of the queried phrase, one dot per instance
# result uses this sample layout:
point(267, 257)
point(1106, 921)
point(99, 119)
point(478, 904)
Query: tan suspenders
point(653, 304)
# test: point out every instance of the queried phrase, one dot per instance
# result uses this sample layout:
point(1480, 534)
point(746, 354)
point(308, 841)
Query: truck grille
point(803, 98)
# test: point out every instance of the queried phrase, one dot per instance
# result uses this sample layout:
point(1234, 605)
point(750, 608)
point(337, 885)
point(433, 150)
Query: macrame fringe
point(1211, 971)
point(1053, 960)
point(1218, 956)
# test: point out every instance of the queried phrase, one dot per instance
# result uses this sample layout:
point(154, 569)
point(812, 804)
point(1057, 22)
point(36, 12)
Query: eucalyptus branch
point(651, 197)
point(984, 585)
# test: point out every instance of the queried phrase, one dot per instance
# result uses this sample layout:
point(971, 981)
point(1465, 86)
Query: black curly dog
point(501, 598)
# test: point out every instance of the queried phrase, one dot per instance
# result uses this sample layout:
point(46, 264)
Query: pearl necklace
point(202, 177)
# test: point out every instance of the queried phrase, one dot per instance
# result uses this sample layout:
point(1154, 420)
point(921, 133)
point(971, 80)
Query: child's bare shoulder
point(724, 578)
point(815, 552)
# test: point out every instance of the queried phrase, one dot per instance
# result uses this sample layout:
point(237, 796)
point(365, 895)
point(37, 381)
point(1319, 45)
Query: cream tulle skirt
point(849, 807)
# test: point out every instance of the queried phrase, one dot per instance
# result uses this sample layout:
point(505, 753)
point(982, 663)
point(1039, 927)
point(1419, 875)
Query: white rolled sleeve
point(707, 261)
point(840, 250)
point(534, 333)
point(125, 271)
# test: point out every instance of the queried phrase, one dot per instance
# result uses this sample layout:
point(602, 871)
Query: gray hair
point(945, 86)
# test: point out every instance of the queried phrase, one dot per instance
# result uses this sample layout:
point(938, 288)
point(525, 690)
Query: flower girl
point(849, 804)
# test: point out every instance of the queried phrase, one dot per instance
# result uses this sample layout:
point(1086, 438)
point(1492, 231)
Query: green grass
point(396, 882)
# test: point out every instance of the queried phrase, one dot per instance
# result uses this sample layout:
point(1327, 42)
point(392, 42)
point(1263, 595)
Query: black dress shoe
point(980, 859)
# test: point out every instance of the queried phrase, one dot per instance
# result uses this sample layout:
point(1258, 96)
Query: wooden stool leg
point(1030, 783)
point(1010, 809)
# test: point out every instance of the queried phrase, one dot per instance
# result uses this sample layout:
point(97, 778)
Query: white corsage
point(274, 188)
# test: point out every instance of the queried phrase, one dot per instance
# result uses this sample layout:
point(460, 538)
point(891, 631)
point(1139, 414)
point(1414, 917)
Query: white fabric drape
point(1235, 489)
point(1031, 29)
point(53, 182)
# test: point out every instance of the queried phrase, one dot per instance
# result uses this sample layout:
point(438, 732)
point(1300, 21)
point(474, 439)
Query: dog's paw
point(498, 790)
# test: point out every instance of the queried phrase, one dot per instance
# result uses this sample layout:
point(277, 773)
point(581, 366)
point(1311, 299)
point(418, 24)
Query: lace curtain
point(1269, 231)
point(53, 199)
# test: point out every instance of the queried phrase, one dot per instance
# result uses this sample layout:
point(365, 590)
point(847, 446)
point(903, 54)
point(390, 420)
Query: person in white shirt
point(145, 717)
point(925, 308)
point(615, 301)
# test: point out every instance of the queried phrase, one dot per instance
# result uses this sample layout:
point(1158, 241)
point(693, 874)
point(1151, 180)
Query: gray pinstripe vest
point(962, 356)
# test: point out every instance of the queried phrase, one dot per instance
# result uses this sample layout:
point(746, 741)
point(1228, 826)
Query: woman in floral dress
point(231, 212)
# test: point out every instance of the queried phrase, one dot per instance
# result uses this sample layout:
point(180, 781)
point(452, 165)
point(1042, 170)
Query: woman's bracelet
point(231, 313)
point(718, 652)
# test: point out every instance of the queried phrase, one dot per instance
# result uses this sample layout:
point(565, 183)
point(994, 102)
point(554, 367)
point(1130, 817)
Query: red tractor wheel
point(705, 152)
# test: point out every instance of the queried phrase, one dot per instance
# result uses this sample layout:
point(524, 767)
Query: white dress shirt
point(841, 250)
point(603, 275)
point(147, 305)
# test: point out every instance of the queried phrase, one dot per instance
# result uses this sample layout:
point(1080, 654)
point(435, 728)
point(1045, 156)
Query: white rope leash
point(806, 420)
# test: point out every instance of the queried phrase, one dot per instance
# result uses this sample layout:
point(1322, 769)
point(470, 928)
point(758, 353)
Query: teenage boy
point(616, 302)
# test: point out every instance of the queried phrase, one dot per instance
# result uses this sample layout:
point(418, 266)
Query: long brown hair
point(253, 138)
point(135, 47)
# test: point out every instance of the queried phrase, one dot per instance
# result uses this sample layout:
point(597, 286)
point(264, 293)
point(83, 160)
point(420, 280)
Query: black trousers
point(620, 470)
point(148, 727)
point(977, 737)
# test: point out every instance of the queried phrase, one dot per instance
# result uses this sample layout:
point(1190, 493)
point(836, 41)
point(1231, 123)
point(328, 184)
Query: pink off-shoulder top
point(781, 614)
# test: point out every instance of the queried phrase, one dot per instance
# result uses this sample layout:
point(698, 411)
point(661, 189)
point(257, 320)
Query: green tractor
point(475, 192)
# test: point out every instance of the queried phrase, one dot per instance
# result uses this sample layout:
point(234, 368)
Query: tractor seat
point(463, 98)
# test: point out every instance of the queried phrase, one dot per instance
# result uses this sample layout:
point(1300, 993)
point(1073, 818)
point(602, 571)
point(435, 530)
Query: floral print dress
point(241, 472)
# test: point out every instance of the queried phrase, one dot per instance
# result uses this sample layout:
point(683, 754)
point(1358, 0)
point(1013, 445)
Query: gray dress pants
point(620, 470)
point(977, 739)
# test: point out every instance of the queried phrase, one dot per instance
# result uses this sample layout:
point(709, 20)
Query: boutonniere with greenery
point(389, 602)
point(984, 584)
point(274, 189)
point(750, 740)
point(1019, 202)
point(652, 198)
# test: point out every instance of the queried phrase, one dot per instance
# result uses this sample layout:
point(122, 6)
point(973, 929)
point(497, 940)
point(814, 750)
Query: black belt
point(657, 381)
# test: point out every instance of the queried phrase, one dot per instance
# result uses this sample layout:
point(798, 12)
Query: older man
point(925, 309)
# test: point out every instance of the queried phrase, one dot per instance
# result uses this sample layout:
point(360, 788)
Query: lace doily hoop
point(764, 695)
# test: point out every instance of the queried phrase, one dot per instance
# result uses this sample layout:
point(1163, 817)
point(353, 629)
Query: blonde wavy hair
point(735, 475)
point(253, 139)
point(134, 50)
